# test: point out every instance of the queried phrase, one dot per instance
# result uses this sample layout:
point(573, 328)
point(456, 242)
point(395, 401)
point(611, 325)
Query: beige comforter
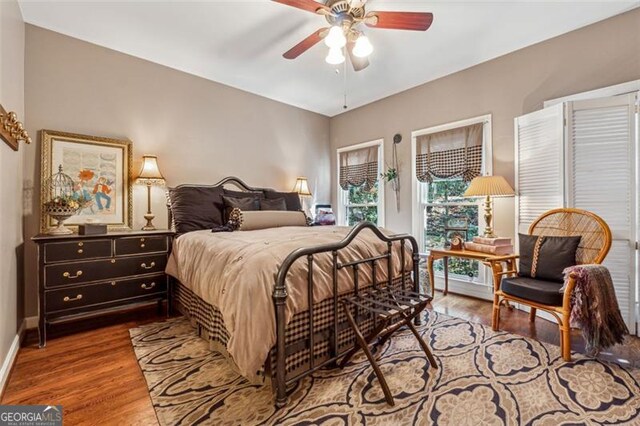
point(235, 272)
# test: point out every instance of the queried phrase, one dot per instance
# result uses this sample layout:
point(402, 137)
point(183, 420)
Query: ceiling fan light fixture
point(335, 38)
point(335, 56)
point(363, 47)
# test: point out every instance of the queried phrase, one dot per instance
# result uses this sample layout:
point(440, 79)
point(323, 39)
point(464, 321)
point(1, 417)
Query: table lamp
point(302, 188)
point(149, 175)
point(489, 186)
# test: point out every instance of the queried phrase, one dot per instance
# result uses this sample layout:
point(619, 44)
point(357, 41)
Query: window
point(440, 209)
point(360, 194)
point(446, 212)
point(360, 204)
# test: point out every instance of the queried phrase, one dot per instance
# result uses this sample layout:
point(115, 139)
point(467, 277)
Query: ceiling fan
point(344, 18)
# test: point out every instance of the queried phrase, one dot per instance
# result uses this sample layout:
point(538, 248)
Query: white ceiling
point(240, 43)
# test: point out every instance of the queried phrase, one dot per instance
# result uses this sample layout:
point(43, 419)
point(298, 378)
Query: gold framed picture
point(101, 172)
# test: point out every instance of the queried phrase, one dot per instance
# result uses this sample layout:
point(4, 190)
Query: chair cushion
point(545, 258)
point(545, 292)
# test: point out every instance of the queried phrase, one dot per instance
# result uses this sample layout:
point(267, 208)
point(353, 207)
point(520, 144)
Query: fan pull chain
point(344, 65)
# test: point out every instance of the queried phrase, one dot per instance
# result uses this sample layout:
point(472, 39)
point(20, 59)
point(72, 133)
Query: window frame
point(341, 216)
point(418, 204)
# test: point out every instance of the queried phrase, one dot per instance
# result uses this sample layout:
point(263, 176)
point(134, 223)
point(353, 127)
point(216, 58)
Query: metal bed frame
point(280, 380)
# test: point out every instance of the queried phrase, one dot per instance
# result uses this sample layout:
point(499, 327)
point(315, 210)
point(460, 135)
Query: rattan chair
point(593, 248)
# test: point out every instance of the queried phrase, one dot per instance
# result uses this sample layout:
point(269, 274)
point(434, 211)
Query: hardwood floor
point(94, 375)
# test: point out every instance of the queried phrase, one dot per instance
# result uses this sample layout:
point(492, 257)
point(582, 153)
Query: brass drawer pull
point(71, 299)
point(148, 287)
point(80, 244)
point(80, 251)
point(68, 275)
point(142, 245)
point(151, 265)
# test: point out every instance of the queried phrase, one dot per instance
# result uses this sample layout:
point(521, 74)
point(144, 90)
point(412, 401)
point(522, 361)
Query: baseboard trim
point(31, 322)
point(465, 288)
point(10, 359)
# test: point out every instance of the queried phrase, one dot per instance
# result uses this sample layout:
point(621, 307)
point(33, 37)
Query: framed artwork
point(101, 171)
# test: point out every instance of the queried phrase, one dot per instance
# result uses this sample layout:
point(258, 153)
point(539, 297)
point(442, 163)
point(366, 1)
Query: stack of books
point(497, 245)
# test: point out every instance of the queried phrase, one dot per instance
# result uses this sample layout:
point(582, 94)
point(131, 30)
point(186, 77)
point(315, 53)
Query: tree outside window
point(446, 211)
point(361, 205)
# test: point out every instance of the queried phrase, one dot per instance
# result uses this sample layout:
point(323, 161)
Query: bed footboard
point(337, 347)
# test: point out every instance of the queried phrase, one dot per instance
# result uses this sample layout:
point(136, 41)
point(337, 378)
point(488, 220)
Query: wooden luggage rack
point(391, 310)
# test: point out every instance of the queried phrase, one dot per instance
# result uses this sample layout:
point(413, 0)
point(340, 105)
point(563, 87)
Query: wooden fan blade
point(305, 44)
point(308, 5)
point(415, 21)
point(358, 63)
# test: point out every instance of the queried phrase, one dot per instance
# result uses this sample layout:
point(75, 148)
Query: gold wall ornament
point(12, 131)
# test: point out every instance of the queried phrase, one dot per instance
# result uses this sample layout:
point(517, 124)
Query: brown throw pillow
point(242, 194)
point(242, 203)
point(274, 204)
point(195, 207)
point(545, 258)
point(292, 199)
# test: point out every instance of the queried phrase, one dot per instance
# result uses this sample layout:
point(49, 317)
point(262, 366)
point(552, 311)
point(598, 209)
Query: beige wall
point(599, 55)
point(12, 98)
point(201, 131)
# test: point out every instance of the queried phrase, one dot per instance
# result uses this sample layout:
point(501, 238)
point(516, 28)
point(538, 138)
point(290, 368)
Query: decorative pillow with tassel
point(545, 258)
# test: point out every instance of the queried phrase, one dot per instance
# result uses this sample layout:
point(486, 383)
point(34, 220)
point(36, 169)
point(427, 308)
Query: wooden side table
point(445, 254)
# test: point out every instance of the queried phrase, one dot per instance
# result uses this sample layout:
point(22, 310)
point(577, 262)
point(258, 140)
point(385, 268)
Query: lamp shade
point(363, 47)
point(495, 186)
point(150, 173)
point(335, 56)
point(335, 38)
point(302, 186)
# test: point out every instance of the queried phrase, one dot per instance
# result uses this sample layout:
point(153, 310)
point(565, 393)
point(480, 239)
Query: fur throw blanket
point(594, 307)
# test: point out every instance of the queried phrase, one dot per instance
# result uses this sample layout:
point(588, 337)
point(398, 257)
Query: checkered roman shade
point(448, 154)
point(359, 168)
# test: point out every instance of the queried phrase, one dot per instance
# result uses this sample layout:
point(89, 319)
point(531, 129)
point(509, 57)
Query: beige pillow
point(252, 220)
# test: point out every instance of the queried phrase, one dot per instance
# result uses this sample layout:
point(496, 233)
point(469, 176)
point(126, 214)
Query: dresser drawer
point(138, 287)
point(102, 269)
point(139, 245)
point(77, 250)
point(86, 295)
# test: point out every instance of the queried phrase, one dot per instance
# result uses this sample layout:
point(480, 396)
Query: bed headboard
point(229, 180)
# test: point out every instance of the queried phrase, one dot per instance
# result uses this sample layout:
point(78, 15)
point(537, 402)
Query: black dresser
point(83, 276)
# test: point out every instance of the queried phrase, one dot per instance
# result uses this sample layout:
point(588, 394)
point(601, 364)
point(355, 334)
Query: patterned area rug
point(483, 378)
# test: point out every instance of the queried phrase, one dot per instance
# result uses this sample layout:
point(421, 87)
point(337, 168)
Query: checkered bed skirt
point(210, 326)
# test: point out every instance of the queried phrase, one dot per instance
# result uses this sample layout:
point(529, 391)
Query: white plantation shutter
point(601, 173)
point(539, 164)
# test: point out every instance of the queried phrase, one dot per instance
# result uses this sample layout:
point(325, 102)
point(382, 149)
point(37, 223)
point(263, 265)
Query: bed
point(269, 298)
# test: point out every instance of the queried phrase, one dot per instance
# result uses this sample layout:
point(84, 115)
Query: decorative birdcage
point(62, 204)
